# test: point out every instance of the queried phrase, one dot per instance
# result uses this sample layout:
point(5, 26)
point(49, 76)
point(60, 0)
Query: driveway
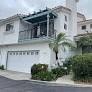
point(9, 85)
point(15, 75)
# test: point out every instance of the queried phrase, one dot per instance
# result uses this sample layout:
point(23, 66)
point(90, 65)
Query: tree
point(60, 40)
point(85, 41)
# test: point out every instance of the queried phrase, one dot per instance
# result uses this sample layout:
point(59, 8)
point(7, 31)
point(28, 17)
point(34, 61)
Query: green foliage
point(68, 65)
point(2, 67)
point(82, 67)
point(85, 41)
point(36, 68)
point(59, 72)
point(40, 72)
point(61, 40)
point(44, 76)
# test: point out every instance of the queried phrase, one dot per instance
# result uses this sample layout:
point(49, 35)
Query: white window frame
point(10, 31)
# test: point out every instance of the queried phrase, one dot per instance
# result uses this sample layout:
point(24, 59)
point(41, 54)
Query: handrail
point(28, 34)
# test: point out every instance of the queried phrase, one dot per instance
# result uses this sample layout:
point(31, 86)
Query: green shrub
point(59, 72)
point(40, 72)
point(2, 67)
point(36, 68)
point(68, 65)
point(82, 67)
point(44, 76)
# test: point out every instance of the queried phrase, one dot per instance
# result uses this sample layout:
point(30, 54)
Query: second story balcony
point(38, 31)
point(42, 26)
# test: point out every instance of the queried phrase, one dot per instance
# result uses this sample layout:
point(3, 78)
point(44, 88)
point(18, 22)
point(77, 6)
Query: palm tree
point(62, 41)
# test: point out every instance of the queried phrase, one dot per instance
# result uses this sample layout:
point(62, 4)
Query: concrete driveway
point(8, 85)
point(15, 75)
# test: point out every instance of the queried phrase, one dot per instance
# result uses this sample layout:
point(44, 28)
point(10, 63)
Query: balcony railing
point(30, 35)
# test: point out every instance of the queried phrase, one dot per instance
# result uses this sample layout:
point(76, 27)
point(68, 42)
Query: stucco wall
point(80, 18)
point(9, 37)
point(60, 21)
point(88, 29)
point(45, 51)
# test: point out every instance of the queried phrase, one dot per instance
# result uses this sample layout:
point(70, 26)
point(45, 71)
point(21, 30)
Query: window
point(32, 53)
point(24, 53)
point(9, 27)
point(65, 18)
point(20, 53)
point(84, 27)
point(28, 52)
point(16, 53)
point(10, 53)
point(36, 53)
point(91, 26)
point(65, 26)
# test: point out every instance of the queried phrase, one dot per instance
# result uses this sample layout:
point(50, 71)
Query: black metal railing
point(29, 34)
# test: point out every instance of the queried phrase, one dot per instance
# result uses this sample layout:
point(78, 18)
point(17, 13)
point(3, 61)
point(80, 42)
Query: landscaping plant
point(82, 67)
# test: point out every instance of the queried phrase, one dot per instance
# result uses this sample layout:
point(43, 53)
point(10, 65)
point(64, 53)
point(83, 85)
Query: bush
point(59, 72)
point(82, 67)
point(44, 76)
point(2, 67)
point(68, 65)
point(36, 68)
point(40, 72)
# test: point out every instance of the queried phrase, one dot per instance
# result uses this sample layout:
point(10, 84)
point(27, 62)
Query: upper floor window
point(83, 27)
point(91, 26)
point(65, 26)
point(65, 18)
point(9, 27)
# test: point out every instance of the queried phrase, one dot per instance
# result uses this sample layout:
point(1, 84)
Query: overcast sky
point(11, 7)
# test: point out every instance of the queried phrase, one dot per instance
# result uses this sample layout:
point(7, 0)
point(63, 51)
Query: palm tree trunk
point(57, 58)
point(56, 55)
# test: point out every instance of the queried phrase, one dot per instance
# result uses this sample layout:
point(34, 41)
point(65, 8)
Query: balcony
point(38, 32)
point(42, 26)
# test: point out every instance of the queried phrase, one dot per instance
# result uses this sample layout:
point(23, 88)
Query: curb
point(46, 83)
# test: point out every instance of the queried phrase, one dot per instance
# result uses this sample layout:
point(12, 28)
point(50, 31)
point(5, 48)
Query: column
point(48, 25)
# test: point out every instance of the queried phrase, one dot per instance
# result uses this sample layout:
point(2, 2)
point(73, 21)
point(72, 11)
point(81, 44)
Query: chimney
point(72, 5)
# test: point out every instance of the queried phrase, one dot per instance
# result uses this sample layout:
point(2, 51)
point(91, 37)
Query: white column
point(48, 24)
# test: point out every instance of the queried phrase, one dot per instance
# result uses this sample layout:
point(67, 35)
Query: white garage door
point(22, 61)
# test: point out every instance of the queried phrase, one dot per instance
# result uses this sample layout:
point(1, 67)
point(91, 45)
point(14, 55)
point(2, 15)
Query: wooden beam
point(41, 14)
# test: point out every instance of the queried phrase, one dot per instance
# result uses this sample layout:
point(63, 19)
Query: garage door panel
point(22, 61)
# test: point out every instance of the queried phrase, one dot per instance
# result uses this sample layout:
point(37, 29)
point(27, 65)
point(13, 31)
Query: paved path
point(8, 85)
point(15, 75)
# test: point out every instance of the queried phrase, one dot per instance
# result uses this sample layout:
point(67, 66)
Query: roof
point(12, 17)
point(85, 21)
point(54, 9)
point(62, 7)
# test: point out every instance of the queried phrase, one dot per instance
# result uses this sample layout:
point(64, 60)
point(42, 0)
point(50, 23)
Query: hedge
point(82, 67)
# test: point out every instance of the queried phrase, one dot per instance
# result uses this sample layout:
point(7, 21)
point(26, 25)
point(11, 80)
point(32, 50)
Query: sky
point(11, 7)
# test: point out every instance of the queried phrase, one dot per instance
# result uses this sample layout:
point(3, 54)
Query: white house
point(24, 39)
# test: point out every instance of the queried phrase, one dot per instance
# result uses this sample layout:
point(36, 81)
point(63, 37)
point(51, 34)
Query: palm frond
point(61, 40)
point(68, 44)
point(60, 37)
